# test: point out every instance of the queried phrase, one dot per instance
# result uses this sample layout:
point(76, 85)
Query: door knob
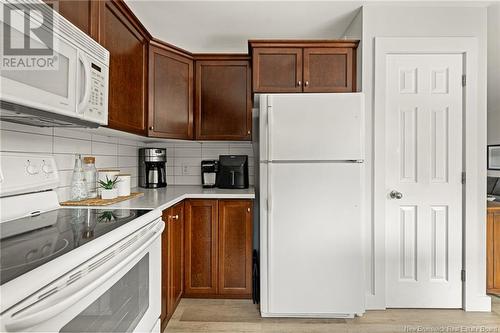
point(396, 195)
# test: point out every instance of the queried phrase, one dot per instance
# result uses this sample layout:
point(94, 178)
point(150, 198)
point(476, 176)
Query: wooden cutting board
point(101, 202)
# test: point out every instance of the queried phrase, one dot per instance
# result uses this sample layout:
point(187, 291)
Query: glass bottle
point(90, 176)
point(78, 183)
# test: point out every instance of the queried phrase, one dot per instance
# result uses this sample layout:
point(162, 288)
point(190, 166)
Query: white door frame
point(474, 157)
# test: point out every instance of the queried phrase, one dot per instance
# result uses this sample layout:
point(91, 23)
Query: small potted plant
point(108, 189)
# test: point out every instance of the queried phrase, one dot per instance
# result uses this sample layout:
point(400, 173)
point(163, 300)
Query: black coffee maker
point(233, 171)
point(209, 169)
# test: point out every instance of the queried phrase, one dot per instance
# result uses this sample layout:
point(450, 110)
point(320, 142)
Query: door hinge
point(464, 80)
point(463, 177)
point(462, 275)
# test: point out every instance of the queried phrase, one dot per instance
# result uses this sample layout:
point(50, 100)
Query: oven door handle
point(31, 315)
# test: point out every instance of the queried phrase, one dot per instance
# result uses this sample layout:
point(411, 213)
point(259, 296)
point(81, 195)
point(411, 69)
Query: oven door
point(116, 291)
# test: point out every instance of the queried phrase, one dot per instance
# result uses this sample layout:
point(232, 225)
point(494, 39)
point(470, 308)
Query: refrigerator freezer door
point(312, 126)
point(312, 240)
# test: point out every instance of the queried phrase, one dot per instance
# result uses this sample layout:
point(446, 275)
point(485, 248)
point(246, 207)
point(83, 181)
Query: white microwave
point(71, 90)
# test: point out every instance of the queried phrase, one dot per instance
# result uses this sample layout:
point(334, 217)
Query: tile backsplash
point(183, 157)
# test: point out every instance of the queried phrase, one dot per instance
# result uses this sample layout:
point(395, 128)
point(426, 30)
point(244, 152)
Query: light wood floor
point(197, 315)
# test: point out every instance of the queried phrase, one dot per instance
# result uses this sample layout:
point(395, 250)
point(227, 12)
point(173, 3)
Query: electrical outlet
point(184, 170)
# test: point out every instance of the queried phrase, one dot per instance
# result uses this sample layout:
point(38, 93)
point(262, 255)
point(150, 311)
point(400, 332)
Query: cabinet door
point(235, 248)
point(493, 253)
point(126, 42)
point(170, 94)
point(223, 100)
point(329, 70)
point(200, 246)
point(277, 69)
point(176, 257)
point(82, 13)
point(165, 272)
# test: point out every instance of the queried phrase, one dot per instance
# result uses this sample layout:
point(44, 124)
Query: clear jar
point(90, 176)
point(78, 183)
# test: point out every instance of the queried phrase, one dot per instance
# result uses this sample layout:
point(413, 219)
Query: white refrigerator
point(311, 189)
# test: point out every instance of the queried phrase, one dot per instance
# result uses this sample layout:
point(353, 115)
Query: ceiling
point(223, 26)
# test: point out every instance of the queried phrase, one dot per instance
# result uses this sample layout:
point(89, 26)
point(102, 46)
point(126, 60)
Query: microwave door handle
point(83, 103)
point(31, 316)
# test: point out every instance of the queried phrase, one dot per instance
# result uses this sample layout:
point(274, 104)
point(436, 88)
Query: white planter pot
point(109, 194)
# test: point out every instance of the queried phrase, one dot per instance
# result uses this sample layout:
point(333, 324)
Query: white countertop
point(168, 196)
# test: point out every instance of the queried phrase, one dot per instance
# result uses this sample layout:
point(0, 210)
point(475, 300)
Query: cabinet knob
point(151, 128)
point(299, 83)
point(306, 83)
point(248, 209)
point(175, 217)
point(248, 132)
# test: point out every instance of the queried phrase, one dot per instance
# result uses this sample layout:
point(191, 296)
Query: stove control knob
point(47, 168)
point(31, 169)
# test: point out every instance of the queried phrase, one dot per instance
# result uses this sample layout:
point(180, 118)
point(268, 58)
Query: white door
point(424, 165)
point(314, 250)
point(312, 127)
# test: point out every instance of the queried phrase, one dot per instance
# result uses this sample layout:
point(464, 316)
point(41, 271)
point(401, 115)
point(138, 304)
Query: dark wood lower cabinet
point(200, 248)
point(218, 249)
point(493, 252)
point(206, 252)
point(172, 261)
point(235, 248)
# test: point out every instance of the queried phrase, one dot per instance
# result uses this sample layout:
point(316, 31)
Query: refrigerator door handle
point(269, 193)
point(269, 125)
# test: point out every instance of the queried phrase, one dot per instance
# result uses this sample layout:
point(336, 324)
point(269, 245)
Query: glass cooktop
point(32, 241)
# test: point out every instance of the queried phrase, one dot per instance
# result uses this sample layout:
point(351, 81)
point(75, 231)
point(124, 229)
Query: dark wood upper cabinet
point(170, 94)
point(303, 65)
point(235, 247)
point(329, 70)
point(127, 41)
point(200, 248)
point(82, 13)
point(223, 105)
point(277, 69)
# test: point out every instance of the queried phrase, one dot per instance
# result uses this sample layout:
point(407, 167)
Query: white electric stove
point(73, 269)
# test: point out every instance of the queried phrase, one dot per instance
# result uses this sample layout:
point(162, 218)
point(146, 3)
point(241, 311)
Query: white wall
point(413, 21)
point(355, 31)
point(113, 149)
point(494, 78)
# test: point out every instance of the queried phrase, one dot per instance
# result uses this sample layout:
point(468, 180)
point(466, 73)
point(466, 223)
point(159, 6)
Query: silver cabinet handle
point(299, 83)
point(396, 195)
point(306, 83)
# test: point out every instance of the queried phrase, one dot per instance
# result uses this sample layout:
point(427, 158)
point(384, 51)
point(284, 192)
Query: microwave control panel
point(97, 107)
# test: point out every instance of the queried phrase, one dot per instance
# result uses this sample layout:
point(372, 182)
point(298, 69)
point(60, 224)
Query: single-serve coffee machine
point(152, 167)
